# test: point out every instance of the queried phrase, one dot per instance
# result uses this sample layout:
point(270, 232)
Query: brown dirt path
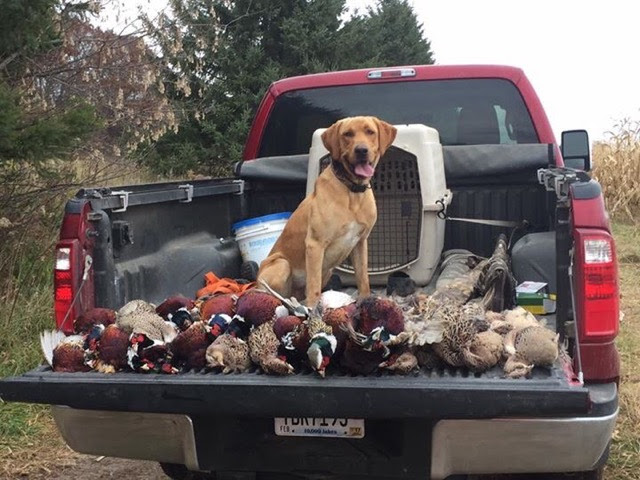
point(88, 468)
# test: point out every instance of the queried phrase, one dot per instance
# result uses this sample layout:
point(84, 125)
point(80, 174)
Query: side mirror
point(575, 149)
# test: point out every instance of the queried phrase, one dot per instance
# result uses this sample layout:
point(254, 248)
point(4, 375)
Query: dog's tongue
point(364, 170)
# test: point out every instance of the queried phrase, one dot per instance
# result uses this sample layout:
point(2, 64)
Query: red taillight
point(597, 290)
point(73, 290)
point(64, 293)
point(64, 284)
point(600, 283)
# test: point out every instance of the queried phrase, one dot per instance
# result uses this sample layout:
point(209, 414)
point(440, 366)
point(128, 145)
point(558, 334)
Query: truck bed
point(150, 244)
point(170, 245)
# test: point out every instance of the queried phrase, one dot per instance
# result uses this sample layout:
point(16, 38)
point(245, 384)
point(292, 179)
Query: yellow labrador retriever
point(336, 219)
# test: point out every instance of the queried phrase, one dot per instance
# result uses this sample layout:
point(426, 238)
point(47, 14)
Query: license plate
point(320, 427)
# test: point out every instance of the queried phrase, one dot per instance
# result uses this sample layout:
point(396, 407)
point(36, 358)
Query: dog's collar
point(341, 174)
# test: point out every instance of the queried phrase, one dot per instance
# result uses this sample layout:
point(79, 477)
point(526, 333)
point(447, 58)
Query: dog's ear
point(386, 135)
point(331, 140)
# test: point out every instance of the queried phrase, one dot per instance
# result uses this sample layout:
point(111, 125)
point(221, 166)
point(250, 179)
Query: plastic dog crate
point(410, 189)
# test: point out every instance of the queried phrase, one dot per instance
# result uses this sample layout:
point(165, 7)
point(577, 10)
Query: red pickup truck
point(502, 163)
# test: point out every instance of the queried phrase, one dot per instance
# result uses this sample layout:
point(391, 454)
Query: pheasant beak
point(325, 363)
point(323, 366)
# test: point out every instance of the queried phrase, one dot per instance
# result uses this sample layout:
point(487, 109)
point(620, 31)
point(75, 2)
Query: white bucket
point(256, 236)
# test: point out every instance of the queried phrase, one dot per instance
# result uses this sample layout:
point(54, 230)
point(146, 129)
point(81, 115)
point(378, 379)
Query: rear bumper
point(163, 437)
point(519, 445)
point(456, 446)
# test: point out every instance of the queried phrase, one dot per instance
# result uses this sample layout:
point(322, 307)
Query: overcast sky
point(580, 55)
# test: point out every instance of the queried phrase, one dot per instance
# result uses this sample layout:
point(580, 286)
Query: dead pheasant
point(224, 303)
point(462, 343)
point(111, 351)
point(529, 347)
point(403, 362)
point(147, 355)
point(229, 353)
point(322, 342)
point(94, 316)
point(484, 351)
point(138, 316)
point(179, 310)
point(257, 307)
point(377, 323)
point(311, 339)
point(62, 353)
point(189, 347)
point(424, 319)
point(508, 320)
point(337, 319)
point(263, 348)
point(313, 336)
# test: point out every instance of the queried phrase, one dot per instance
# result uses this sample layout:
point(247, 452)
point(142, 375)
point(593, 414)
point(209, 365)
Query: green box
point(537, 303)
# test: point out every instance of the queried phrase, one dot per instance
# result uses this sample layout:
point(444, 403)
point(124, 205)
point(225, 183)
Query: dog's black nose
point(361, 150)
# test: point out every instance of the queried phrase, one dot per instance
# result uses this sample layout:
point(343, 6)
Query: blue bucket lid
point(263, 219)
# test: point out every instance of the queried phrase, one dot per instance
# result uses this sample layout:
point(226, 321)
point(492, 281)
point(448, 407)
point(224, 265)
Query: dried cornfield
point(616, 165)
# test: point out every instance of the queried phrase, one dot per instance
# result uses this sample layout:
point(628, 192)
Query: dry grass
point(40, 449)
point(624, 462)
point(616, 165)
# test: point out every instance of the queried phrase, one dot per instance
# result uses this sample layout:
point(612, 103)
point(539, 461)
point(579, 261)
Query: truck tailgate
point(442, 393)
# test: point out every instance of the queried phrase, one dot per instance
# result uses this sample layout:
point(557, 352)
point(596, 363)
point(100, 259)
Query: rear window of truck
point(464, 111)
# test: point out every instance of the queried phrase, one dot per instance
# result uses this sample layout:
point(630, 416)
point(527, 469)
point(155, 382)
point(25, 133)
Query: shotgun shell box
point(535, 297)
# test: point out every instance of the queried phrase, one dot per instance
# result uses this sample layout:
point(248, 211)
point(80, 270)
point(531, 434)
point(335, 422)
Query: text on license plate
point(320, 427)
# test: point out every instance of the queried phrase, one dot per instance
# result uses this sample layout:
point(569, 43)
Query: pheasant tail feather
point(49, 340)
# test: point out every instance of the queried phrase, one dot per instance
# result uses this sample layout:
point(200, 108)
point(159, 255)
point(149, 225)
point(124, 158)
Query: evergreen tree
point(221, 55)
point(74, 100)
point(66, 84)
point(388, 35)
point(31, 130)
